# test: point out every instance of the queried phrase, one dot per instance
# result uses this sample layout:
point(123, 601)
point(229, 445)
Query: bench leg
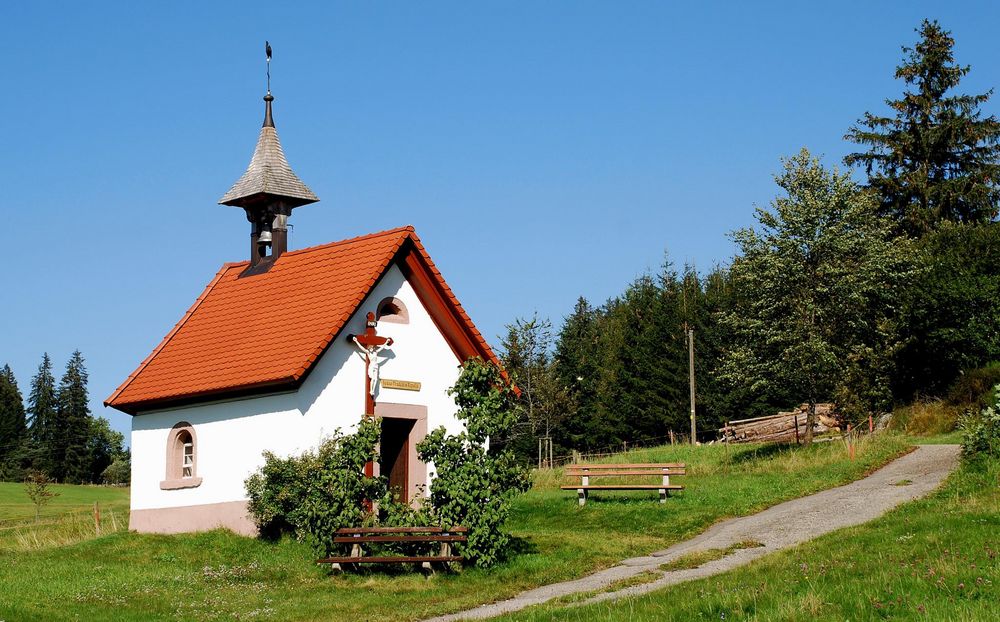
point(581, 495)
point(355, 552)
point(336, 569)
point(663, 495)
point(445, 551)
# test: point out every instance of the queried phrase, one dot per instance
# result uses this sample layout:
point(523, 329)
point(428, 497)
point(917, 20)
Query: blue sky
point(543, 150)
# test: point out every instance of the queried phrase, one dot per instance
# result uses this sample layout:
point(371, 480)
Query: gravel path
point(778, 527)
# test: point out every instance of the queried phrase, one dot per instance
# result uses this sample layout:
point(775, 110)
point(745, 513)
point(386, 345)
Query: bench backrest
point(352, 531)
point(586, 471)
point(641, 465)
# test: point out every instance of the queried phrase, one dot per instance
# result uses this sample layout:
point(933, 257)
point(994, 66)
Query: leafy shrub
point(981, 433)
point(926, 417)
point(315, 494)
point(118, 473)
point(976, 386)
point(474, 487)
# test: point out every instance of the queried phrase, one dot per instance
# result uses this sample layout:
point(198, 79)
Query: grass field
point(218, 575)
point(15, 507)
point(933, 559)
point(65, 519)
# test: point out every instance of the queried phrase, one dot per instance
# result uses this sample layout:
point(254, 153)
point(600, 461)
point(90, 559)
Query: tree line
point(868, 294)
point(54, 432)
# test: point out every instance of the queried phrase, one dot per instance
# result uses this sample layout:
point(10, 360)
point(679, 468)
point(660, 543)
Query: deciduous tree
point(817, 279)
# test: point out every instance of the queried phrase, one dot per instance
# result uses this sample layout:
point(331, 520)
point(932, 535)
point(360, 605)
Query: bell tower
point(268, 192)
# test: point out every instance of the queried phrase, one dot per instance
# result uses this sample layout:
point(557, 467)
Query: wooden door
point(395, 455)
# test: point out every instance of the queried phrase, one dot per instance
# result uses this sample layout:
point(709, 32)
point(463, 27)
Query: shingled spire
point(268, 191)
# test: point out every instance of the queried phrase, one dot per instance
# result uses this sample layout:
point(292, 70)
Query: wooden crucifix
point(370, 343)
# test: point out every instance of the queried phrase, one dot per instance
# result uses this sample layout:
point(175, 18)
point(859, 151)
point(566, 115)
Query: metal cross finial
point(267, 52)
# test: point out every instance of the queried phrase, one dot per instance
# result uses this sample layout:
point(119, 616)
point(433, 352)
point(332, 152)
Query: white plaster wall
point(232, 435)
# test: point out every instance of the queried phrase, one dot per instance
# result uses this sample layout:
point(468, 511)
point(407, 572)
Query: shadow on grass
point(612, 499)
point(772, 450)
point(520, 546)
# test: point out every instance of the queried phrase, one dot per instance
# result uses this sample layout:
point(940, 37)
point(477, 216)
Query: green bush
point(976, 386)
point(118, 473)
point(474, 487)
point(981, 433)
point(315, 494)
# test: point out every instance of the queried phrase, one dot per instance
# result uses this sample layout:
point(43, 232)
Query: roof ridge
point(450, 294)
point(385, 262)
point(212, 350)
point(326, 245)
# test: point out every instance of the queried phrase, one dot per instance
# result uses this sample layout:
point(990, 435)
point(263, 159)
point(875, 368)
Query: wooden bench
point(357, 536)
point(587, 471)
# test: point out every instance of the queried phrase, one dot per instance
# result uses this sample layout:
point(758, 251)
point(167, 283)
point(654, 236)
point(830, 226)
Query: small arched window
point(392, 310)
point(186, 446)
point(182, 458)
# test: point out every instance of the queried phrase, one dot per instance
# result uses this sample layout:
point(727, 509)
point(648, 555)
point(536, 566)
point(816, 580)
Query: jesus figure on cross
point(370, 344)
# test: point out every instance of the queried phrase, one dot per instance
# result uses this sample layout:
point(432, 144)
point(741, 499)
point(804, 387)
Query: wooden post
point(552, 464)
point(796, 429)
point(539, 453)
point(694, 431)
point(871, 424)
point(97, 518)
point(850, 442)
point(671, 437)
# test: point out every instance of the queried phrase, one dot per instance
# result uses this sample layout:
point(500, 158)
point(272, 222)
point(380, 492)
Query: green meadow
point(218, 575)
point(937, 558)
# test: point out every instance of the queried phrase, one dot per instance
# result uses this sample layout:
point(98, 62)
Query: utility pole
point(694, 429)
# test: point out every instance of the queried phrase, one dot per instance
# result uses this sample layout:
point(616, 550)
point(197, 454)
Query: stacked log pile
point(786, 427)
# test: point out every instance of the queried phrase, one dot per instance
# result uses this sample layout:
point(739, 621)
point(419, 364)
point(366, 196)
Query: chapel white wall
point(232, 435)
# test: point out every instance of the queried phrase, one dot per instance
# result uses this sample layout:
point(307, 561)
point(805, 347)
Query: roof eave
point(229, 393)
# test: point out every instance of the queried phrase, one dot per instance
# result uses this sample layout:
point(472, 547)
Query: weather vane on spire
point(267, 52)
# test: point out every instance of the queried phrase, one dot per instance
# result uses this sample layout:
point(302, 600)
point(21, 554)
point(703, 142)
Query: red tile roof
point(265, 332)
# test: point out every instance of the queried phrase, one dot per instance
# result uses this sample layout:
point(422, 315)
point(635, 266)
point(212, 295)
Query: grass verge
point(218, 575)
point(698, 558)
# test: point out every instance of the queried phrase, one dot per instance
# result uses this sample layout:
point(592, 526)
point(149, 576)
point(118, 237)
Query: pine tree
point(577, 367)
point(42, 417)
point(74, 423)
point(936, 158)
point(12, 421)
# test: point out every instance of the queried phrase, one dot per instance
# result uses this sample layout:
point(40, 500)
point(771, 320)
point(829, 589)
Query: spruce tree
point(74, 423)
point(42, 418)
point(12, 421)
point(936, 157)
point(577, 366)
